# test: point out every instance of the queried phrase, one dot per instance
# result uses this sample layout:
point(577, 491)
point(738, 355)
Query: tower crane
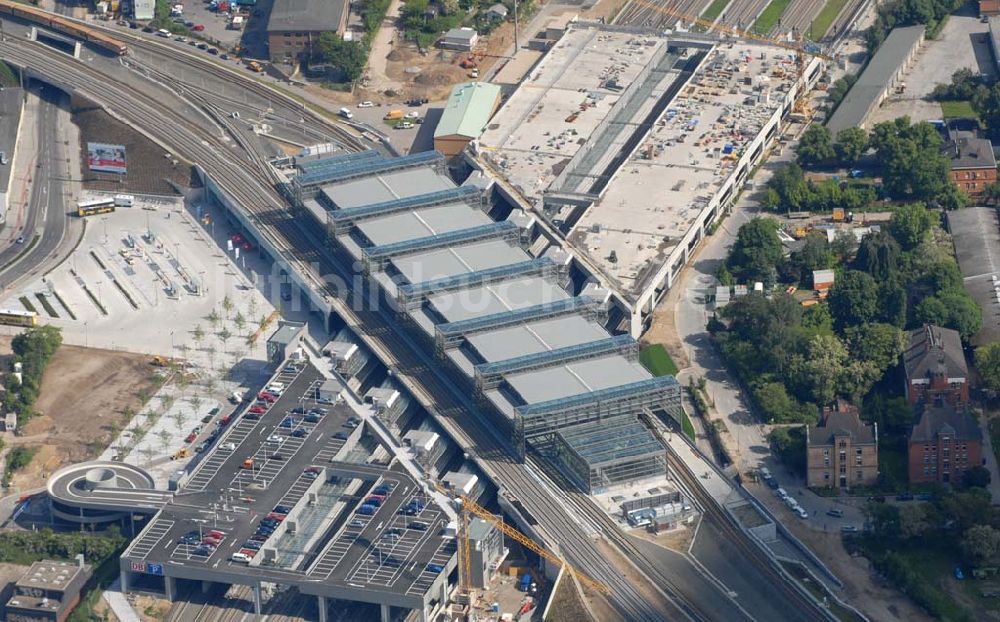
point(465, 565)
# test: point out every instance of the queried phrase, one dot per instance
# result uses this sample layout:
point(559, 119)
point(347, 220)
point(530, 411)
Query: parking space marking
point(154, 533)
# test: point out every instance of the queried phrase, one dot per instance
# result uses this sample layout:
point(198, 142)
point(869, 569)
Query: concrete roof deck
point(976, 231)
point(534, 337)
point(496, 298)
point(532, 134)
point(385, 187)
point(421, 267)
point(576, 378)
point(422, 222)
point(681, 165)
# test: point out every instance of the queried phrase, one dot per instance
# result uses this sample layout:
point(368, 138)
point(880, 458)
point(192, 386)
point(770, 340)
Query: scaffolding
point(375, 257)
point(411, 295)
point(453, 334)
point(367, 167)
point(491, 375)
point(342, 220)
point(599, 454)
point(542, 418)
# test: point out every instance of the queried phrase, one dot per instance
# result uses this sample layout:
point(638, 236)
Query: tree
point(815, 146)
point(910, 224)
point(790, 185)
point(843, 245)
point(198, 334)
point(878, 255)
point(884, 520)
point(953, 309)
point(213, 319)
point(854, 299)
point(756, 252)
point(913, 166)
point(879, 344)
point(852, 142)
point(913, 521)
point(815, 254)
point(227, 305)
point(978, 477)
point(981, 543)
point(778, 406)
point(988, 366)
point(239, 321)
point(347, 56)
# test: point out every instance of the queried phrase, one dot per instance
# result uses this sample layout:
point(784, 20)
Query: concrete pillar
point(124, 581)
point(385, 613)
point(170, 584)
point(256, 601)
point(206, 586)
point(322, 604)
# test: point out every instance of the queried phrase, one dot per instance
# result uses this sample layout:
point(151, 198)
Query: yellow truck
point(181, 453)
point(393, 115)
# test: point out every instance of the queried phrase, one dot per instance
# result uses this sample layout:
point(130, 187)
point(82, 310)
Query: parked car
point(435, 568)
point(276, 516)
point(341, 436)
point(274, 439)
point(835, 513)
point(228, 446)
point(257, 410)
point(311, 418)
point(198, 27)
point(191, 537)
point(239, 556)
point(419, 525)
point(282, 509)
point(203, 551)
point(366, 104)
point(848, 529)
point(801, 512)
point(278, 457)
point(190, 437)
point(300, 433)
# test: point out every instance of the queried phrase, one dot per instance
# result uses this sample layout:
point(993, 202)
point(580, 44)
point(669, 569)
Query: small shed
point(497, 12)
point(823, 279)
point(463, 39)
point(284, 341)
point(329, 391)
point(10, 422)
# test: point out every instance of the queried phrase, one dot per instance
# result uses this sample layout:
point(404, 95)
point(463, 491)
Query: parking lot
point(963, 43)
point(418, 137)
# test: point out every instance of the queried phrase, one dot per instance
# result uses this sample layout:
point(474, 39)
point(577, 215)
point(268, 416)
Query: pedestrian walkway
point(991, 460)
point(119, 604)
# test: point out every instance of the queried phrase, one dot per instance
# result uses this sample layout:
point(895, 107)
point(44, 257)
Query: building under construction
point(632, 143)
point(497, 302)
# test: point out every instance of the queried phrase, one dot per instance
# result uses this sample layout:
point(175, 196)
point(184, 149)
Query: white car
point(274, 439)
point(366, 104)
point(228, 447)
point(405, 125)
point(413, 114)
point(802, 513)
point(241, 557)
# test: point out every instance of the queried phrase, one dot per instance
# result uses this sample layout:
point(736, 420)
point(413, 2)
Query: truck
point(346, 113)
point(124, 200)
point(525, 584)
point(236, 23)
point(255, 67)
point(393, 115)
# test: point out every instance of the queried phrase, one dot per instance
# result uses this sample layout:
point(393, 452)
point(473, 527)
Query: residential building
point(294, 26)
point(841, 450)
point(469, 109)
point(989, 7)
point(823, 279)
point(973, 165)
point(48, 591)
point(944, 444)
point(497, 12)
point(462, 39)
point(936, 372)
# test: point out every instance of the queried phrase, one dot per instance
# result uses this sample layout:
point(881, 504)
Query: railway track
point(276, 222)
point(659, 14)
point(566, 524)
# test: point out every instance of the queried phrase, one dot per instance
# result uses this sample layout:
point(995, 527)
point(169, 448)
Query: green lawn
point(714, 10)
point(686, 426)
point(769, 17)
point(951, 110)
point(825, 19)
point(658, 361)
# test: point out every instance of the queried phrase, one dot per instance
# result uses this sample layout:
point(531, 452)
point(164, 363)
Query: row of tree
point(796, 358)
point(33, 349)
point(896, 13)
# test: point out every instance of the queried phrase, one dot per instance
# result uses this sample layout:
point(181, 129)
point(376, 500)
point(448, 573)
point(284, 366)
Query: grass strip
point(658, 361)
point(769, 16)
point(958, 109)
point(27, 304)
point(65, 306)
point(93, 299)
point(46, 304)
point(128, 296)
point(715, 9)
point(827, 15)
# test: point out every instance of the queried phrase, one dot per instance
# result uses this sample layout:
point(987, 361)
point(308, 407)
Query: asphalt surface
point(45, 213)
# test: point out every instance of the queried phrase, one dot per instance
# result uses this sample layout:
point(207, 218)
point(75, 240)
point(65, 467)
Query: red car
point(267, 397)
point(212, 541)
point(198, 27)
point(258, 410)
point(247, 246)
point(276, 516)
point(190, 438)
point(215, 533)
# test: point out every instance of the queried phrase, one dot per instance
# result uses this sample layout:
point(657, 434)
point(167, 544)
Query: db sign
point(137, 566)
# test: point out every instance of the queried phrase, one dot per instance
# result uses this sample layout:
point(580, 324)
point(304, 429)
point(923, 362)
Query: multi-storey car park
point(632, 143)
point(516, 329)
point(302, 458)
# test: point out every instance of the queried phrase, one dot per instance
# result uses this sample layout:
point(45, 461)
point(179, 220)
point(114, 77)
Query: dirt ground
point(151, 609)
point(85, 397)
point(566, 605)
point(861, 586)
point(149, 172)
point(600, 606)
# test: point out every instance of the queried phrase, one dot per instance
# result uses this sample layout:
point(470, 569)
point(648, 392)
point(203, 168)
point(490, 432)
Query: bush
point(789, 444)
point(33, 349)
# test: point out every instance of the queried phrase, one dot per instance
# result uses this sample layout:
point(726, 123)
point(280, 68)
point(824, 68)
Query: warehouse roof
point(976, 232)
point(469, 109)
point(307, 15)
point(876, 77)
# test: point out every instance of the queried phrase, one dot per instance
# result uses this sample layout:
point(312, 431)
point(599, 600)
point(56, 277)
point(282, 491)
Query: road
point(45, 215)
point(566, 521)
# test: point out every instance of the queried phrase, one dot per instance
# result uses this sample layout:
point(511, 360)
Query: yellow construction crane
point(465, 577)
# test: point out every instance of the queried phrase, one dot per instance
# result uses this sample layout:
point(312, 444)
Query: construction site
point(632, 143)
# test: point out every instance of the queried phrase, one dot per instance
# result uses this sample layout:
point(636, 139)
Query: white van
point(241, 557)
point(163, 33)
point(781, 494)
point(346, 113)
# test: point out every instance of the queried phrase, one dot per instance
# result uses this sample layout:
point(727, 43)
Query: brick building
point(841, 450)
point(294, 26)
point(936, 373)
point(973, 166)
point(989, 7)
point(943, 445)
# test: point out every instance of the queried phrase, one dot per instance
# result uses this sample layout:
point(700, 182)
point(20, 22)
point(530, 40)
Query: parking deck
point(291, 455)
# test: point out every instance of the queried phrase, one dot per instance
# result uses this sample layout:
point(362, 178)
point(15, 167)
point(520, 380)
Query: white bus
point(97, 206)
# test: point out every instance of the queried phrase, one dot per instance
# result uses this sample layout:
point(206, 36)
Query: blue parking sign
point(156, 569)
